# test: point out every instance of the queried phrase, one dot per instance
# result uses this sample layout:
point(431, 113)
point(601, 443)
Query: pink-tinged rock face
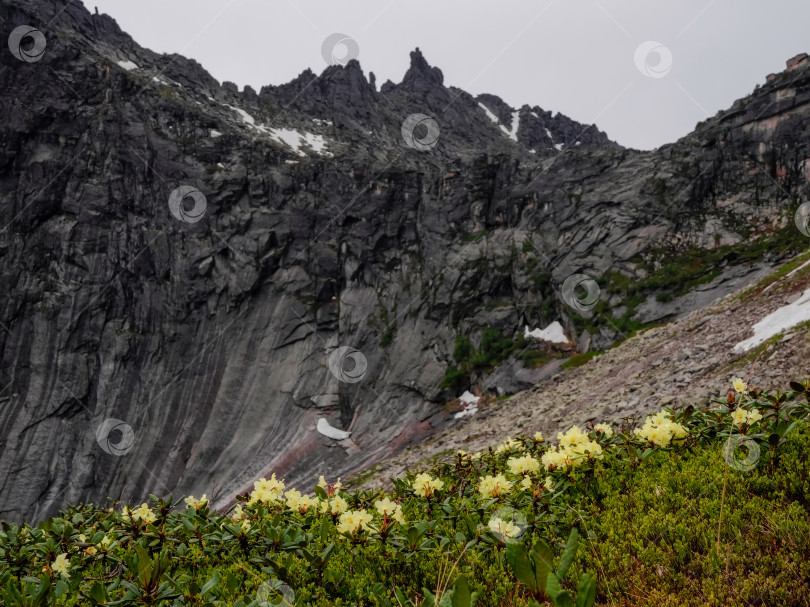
point(785, 94)
point(796, 62)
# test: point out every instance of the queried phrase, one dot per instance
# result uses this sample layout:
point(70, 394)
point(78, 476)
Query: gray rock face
point(209, 335)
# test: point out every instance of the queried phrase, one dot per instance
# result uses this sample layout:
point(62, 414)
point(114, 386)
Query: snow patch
point(292, 138)
point(246, 118)
point(215, 133)
point(777, 321)
point(559, 146)
point(325, 428)
point(471, 404)
point(512, 134)
point(553, 333)
point(319, 121)
point(128, 65)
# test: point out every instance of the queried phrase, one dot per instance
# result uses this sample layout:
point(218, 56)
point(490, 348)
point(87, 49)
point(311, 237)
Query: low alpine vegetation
point(687, 507)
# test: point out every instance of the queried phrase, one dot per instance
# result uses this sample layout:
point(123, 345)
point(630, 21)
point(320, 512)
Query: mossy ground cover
point(664, 516)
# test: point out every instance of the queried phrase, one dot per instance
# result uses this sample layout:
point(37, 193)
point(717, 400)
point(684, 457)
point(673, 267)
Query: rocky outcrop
point(207, 319)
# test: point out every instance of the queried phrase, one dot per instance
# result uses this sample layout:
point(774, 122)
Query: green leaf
point(543, 563)
point(586, 595)
point(559, 597)
point(98, 593)
point(461, 593)
point(210, 584)
point(569, 553)
point(321, 492)
point(521, 564)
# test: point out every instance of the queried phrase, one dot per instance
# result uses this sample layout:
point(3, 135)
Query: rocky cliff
point(188, 269)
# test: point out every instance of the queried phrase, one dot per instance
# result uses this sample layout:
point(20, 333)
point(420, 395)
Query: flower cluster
point(352, 521)
point(525, 464)
point(61, 565)
point(504, 528)
point(192, 502)
point(296, 501)
point(390, 509)
point(494, 486)
point(660, 430)
point(604, 429)
point(573, 448)
point(143, 514)
point(424, 485)
point(744, 417)
point(266, 490)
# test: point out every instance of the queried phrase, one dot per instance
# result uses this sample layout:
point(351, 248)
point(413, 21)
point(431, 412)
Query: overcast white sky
point(572, 56)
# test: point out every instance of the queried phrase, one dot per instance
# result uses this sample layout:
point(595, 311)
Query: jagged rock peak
point(421, 74)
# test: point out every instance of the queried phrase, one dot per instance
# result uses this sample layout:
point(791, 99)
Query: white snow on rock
point(246, 118)
point(515, 124)
point(471, 404)
point(777, 321)
point(515, 121)
point(553, 333)
point(215, 133)
point(468, 398)
point(292, 138)
point(559, 146)
point(128, 65)
point(325, 428)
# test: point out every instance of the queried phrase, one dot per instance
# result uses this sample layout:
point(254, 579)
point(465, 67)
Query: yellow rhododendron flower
point(504, 528)
point(526, 483)
point(524, 464)
point(352, 521)
point(548, 484)
point(477, 455)
point(424, 485)
point(193, 502)
point(604, 429)
point(389, 508)
point(61, 565)
point(507, 445)
point(238, 513)
point(143, 514)
point(538, 436)
point(296, 501)
point(660, 430)
point(739, 385)
point(105, 542)
point(337, 505)
point(744, 417)
point(494, 486)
